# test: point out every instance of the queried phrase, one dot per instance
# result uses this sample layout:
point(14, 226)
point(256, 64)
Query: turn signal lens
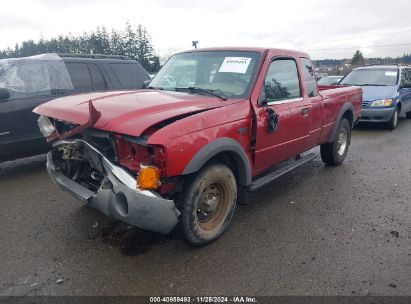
point(387, 102)
point(148, 178)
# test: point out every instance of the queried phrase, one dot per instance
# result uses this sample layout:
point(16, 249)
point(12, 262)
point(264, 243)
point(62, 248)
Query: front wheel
point(334, 153)
point(393, 123)
point(207, 204)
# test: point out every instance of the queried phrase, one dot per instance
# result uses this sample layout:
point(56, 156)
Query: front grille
point(365, 104)
point(103, 141)
point(63, 126)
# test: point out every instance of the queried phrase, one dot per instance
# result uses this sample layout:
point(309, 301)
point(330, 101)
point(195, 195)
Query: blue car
point(386, 92)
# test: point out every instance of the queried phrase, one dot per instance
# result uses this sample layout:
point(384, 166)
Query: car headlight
point(382, 103)
point(46, 126)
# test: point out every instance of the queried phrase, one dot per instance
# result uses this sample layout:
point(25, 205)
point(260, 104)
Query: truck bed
point(335, 96)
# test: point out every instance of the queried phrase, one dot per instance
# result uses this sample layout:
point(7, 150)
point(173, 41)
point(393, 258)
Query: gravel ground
point(316, 231)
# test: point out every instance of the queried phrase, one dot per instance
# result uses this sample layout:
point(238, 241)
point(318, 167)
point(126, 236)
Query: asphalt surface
point(316, 231)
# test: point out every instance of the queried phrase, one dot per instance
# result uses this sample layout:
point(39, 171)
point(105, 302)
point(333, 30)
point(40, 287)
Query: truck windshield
point(371, 77)
point(228, 74)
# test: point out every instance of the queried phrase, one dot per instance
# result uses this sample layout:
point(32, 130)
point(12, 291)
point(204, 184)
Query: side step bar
point(266, 179)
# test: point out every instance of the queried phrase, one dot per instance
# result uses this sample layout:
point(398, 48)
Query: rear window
point(129, 75)
point(309, 78)
point(34, 76)
point(371, 77)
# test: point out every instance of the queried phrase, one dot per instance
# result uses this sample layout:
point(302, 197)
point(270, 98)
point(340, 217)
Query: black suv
point(27, 82)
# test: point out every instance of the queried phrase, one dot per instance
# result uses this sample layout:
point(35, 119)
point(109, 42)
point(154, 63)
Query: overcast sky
point(324, 29)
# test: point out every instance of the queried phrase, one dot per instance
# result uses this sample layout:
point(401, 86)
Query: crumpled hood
point(371, 93)
point(128, 112)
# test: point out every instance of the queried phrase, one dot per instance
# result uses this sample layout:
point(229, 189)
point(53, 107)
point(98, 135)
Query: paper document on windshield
point(235, 65)
point(393, 74)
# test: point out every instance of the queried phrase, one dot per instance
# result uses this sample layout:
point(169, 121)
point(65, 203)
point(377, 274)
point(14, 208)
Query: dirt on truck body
point(207, 130)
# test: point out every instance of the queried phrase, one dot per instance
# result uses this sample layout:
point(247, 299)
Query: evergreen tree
point(129, 41)
point(132, 42)
point(116, 43)
point(358, 59)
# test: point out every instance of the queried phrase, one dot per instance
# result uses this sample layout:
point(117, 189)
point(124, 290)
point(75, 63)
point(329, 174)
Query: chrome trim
point(5, 133)
point(122, 175)
point(271, 103)
point(138, 208)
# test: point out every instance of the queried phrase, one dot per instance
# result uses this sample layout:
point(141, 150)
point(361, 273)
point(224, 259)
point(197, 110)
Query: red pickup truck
point(213, 125)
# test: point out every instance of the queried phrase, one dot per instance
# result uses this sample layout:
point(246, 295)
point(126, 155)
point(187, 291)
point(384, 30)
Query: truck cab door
point(280, 96)
point(301, 110)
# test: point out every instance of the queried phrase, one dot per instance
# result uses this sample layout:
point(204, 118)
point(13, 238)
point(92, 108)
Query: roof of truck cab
point(251, 49)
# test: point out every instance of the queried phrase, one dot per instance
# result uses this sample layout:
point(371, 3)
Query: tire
point(408, 115)
point(207, 204)
point(393, 123)
point(334, 153)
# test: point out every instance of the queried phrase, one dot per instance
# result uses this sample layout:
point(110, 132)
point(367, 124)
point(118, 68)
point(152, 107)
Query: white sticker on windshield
point(235, 65)
point(394, 74)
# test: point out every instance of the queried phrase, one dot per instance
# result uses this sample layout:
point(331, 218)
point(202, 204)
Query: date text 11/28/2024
point(205, 299)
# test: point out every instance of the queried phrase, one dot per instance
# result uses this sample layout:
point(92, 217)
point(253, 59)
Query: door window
point(96, 78)
point(406, 75)
point(281, 81)
point(80, 76)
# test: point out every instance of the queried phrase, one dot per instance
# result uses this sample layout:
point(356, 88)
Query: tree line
point(134, 42)
point(358, 59)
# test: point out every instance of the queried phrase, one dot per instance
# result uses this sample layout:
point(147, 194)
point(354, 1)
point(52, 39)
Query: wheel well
point(229, 159)
point(227, 151)
point(350, 117)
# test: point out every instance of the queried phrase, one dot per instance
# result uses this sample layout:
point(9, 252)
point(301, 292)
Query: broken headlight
point(46, 126)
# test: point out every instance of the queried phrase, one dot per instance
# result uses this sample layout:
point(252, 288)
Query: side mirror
point(146, 83)
point(4, 94)
point(406, 85)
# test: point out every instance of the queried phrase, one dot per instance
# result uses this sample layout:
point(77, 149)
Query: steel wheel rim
point(342, 141)
point(212, 206)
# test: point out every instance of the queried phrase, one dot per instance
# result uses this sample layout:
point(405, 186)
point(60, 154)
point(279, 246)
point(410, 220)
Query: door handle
point(305, 111)
point(4, 133)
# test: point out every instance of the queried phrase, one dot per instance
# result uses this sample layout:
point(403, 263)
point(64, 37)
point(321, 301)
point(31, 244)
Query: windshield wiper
point(373, 85)
point(216, 93)
point(155, 88)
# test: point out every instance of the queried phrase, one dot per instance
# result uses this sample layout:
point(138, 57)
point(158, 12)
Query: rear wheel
point(408, 115)
point(207, 204)
point(392, 124)
point(334, 153)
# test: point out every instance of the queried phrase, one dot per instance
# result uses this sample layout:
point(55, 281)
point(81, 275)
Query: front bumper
point(377, 114)
point(119, 197)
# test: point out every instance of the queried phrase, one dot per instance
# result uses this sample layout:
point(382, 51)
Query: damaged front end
point(117, 174)
point(81, 169)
